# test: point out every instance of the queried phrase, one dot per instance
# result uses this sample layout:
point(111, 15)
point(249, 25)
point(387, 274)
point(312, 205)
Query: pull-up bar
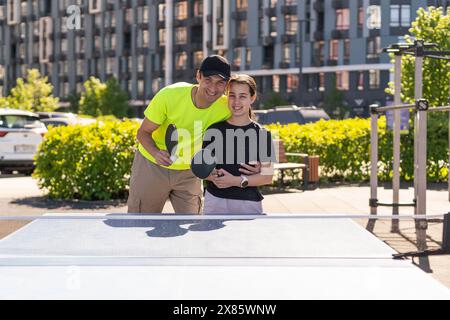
point(420, 50)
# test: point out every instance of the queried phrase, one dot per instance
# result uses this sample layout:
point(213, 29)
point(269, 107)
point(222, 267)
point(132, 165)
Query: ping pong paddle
point(203, 164)
point(172, 141)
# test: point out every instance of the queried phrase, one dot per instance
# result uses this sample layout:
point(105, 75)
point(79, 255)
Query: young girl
point(236, 142)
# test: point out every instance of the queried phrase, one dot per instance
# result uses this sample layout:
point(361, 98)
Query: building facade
point(299, 49)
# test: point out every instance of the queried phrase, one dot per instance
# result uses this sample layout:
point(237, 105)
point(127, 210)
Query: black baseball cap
point(216, 65)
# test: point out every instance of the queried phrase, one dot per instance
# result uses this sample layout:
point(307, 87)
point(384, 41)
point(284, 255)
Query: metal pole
point(373, 163)
point(396, 142)
point(169, 43)
point(300, 60)
point(420, 160)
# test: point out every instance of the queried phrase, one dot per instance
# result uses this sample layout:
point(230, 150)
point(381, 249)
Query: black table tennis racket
point(172, 141)
point(203, 164)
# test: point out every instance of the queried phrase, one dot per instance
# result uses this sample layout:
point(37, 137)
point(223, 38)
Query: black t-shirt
point(232, 145)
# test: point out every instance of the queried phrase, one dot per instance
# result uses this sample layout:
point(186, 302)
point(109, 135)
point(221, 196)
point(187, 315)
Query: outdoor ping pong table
point(254, 259)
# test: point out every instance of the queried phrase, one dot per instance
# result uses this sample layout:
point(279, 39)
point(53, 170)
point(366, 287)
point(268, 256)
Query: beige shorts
point(152, 185)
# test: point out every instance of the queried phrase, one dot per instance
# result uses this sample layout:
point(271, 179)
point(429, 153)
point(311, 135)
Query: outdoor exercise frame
point(420, 50)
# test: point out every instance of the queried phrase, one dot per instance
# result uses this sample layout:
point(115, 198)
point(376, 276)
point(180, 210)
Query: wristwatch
point(244, 182)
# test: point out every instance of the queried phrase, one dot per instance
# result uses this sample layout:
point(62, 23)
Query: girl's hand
point(224, 180)
point(250, 170)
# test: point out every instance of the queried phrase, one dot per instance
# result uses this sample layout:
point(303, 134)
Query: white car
point(21, 132)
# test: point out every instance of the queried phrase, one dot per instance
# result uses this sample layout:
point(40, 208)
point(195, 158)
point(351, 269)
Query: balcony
point(239, 15)
point(239, 42)
point(318, 35)
point(318, 6)
point(267, 65)
point(270, 12)
point(268, 40)
point(290, 9)
point(332, 62)
point(340, 34)
point(288, 38)
point(340, 4)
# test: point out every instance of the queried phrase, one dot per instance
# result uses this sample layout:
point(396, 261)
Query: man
point(192, 109)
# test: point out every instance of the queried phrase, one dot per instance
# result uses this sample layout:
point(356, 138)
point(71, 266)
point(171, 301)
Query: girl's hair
point(250, 82)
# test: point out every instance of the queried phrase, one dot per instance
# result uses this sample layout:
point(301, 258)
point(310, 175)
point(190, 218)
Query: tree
point(272, 100)
point(334, 103)
point(433, 27)
point(32, 94)
point(101, 99)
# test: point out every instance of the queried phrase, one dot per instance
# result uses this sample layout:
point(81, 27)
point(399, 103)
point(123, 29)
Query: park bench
point(308, 165)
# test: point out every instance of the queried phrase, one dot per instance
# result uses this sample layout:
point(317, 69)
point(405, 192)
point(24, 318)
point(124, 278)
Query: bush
point(344, 148)
point(90, 162)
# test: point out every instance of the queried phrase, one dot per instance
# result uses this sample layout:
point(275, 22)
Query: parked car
point(51, 115)
point(291, 114)
point(57, 122)
point(21, 132)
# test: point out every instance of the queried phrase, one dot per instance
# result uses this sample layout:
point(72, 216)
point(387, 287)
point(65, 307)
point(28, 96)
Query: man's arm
point(144, 136)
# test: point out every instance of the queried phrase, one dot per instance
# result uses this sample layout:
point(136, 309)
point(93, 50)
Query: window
point(145, 38)
point(181, 61)
point(198, 8)
point(361, 17)
point(220, 32)
point(374, 79)
point(45, 43)
point(181, 35)
point(248, 57)
point(276, 83)
point(237, 56)
point(374, 17)
point(400, 15)
point(287, 53)
point(342, 80)
point(361, 81)
point(161, 12)
point(162, 37)
point(290, 24)
point(273, 26)
point(95, 6)
point(342, 19)
point(334, 49)
point(181, 10)
point(373, 47)
point(197, 59)
point(242, 29)
point(319, 52)
point(13, 11)
point(291, 83)
point(322, 82)
point(347, 49)
point(241, 5)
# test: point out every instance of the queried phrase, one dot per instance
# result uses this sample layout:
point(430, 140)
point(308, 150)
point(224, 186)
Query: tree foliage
point(101, 99)
point(432, 26)
point(34, 93)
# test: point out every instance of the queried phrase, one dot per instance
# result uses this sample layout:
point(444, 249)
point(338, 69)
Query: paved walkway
point(20, 196)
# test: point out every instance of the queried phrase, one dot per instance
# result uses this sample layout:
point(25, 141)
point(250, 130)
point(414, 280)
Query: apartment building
point(301, 49)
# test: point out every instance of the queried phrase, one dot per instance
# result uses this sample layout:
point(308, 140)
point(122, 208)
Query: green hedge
point(344, 148)
point(94, 162)
point(91, 162)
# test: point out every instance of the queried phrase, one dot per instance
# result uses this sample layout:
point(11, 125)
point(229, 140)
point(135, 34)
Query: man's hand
point(225, 180)
point(163, 158)
point(250, 170)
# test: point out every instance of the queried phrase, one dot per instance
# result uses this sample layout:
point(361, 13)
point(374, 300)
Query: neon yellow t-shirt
point(174, 105)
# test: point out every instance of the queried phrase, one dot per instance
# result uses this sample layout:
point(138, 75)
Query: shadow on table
point(168, 228)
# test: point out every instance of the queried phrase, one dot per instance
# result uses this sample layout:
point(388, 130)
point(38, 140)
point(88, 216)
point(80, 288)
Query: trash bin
point(314, 169)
